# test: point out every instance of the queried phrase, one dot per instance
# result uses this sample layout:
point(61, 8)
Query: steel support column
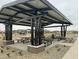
point(41, 34)
point(36, 34)
point(32, 31)
point(8, 30)
point(61, 31)
point(37, 31)
point(40, 31)
point(65, 29)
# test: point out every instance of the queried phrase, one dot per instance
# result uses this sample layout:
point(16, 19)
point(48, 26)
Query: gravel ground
point(11, 52)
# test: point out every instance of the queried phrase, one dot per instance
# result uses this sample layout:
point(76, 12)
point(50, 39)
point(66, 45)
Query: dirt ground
point(19, 51)
point(56, 52)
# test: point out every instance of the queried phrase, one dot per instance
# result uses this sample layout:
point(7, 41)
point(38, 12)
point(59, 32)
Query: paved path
point(73, 52)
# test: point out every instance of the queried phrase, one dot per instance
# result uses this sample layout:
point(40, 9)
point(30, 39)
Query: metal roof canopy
point(21, 12)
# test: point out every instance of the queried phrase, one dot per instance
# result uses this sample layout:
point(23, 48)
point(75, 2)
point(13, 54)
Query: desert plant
point(20, 53)
point(7, 48)
point(58, 49)
point(56, 46)
point(47, 52)
point(13, 51)
point(64, 45)
point(2, 51)
point(8, 54)
point(2, 46)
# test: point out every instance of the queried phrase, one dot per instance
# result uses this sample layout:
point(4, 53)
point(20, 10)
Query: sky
point(68, 7)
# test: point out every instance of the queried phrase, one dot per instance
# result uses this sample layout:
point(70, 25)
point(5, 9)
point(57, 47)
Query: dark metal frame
point(36, 35)
point(63, 29)
point(8, 30)
point(31, 12)
point(36, 38)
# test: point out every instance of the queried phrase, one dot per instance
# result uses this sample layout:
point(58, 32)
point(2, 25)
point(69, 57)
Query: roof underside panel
point(19, 11)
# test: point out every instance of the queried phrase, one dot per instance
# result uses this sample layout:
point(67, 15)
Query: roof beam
point(50, 20)
point(20, 23)
point(34, 8)
point(61, 21)
point(10, 15)
point(23, 24)
point(20, 8)
point(28, 18)
point(13, 16)
point(26, 10)
point(55, 26)
point(20, 19)
point(19, 11)
point(30, 11)
point(54, 9)
point(27, 4)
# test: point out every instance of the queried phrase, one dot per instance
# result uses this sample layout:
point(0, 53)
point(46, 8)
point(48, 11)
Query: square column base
point(35, 49)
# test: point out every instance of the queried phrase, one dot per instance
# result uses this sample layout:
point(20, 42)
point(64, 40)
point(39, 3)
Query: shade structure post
point(32, 31)
point(65, 30)
point(61, 31)
point(36, 41)
point(8, 30)
point(38, 31)
point(8, 33)
point(41, 34)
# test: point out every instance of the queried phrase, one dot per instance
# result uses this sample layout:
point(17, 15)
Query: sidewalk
point(73, 52)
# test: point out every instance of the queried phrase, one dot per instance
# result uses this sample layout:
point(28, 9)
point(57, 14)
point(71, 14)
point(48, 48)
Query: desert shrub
point(8, 54)
point(56, 46)
point(64, 45)
point(2, 46)
point(20, 53)
point(2, 51)
point(7, 48)
point(58, 49)
point(47, 52)
point(13, 50)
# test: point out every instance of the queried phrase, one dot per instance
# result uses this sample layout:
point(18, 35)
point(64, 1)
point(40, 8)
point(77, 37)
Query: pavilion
point(34, 13)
